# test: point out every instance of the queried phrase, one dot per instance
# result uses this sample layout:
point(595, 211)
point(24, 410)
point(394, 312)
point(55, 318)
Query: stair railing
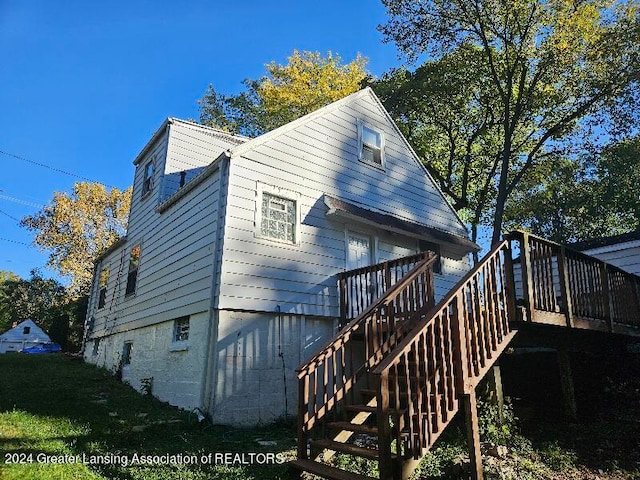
point(360, 287)
point(445, 355)
point(328, 377)
point(554, 279)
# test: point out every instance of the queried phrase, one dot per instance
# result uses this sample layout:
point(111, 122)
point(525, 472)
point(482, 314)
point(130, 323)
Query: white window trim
point(152, 162)
point(262, 188)
point(381, 165)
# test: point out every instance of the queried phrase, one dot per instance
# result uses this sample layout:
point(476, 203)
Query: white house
point(623, 251)
point(23, 335)
point(226, 280)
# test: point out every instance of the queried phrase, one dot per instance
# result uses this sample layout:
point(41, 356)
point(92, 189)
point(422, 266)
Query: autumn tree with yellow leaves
point(307, 82)
point(75, 228)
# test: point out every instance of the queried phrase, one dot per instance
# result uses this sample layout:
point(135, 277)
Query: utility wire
point(10, 216)
point(19, 200)
point(55, 169)
point(16, 241)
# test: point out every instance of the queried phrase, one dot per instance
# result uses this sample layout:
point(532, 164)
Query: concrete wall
point(176, 368)
point(249, 383)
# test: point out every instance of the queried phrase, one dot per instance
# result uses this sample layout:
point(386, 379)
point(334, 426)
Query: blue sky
point(85, 84)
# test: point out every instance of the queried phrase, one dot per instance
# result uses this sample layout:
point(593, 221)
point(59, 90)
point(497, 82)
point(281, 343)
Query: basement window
point(371, 145)
point(181, 329)
point(132, 276)
point(96, 347)
point(126, 353)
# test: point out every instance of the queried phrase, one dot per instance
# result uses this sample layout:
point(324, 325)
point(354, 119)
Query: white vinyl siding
point(623, 255)
point(175, 275)
point(317, 158)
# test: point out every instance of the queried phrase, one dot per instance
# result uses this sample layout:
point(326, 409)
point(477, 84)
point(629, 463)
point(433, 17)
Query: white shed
point(25, 334)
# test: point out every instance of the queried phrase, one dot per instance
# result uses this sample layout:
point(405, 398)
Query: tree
point(570, 200)
point(44, 301)
point(307, 82)
point(551, 66)
point(76, 228)
point(446, 111)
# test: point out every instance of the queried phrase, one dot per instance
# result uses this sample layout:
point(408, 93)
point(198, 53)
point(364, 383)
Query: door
point(358, 251)
point(361, 288)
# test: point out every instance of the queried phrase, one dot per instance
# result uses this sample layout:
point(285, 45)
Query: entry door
point(358, 251)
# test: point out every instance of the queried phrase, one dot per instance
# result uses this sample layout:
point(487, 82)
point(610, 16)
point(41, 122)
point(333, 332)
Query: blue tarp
point(44, 348)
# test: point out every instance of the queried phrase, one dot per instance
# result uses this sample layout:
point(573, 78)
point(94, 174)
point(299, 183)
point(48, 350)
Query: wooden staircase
point(395, 376)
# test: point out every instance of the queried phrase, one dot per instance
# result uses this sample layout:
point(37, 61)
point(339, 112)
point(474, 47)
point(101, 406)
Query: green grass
point(54, 409)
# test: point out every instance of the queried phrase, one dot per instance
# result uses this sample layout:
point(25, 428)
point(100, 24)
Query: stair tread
point(327, 471)
point(346, 448)
point(361, 408)
point(352, 427)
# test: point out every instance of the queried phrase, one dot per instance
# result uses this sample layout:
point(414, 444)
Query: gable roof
point(605, 241)
point(214, 132)
point(367, 91)
point(16, 334)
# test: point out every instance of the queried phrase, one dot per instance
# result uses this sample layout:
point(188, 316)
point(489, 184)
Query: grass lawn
point(55, 411)
point(62, 419)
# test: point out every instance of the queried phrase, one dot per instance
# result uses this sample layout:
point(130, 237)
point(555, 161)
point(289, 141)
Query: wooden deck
point(402, 367)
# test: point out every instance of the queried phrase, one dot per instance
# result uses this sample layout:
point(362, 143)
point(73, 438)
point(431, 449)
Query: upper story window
point(132, 276)
point(371, 145)
point(104, 279)
point(278, 215)
point(147, 180)
point(26, 330)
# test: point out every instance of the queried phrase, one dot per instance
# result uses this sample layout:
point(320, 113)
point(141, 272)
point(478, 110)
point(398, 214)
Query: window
point(126, 353)
point(147, 181)
point(132, 277)
point(104, 278)
point(96, 347)
point(433, 247)
point(277, 214)
point(181, 329)
point(371, 145)
point(26, 330)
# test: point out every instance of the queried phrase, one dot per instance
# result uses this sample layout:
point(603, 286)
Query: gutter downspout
point(207, 397)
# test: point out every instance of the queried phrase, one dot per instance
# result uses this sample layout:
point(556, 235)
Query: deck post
point(566, 383)
point(563, 273)
point(606, 295)
point(496, 394)
point(469, 402)
point(510, 281)
point(384, 431)
point(527, 275)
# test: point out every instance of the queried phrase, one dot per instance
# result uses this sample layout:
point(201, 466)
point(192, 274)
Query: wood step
point(352, 427)
point(349, 448)
point(361, 408)
point(326, 471)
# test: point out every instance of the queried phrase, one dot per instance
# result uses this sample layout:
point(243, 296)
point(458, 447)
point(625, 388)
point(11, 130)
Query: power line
point(55, 169)
point(10, 216)
point(17, 242)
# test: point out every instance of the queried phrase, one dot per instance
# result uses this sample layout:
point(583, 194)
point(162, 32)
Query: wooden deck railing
point(419, 384)
point(563, 286)
point(327, 378)
point(360, 287)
